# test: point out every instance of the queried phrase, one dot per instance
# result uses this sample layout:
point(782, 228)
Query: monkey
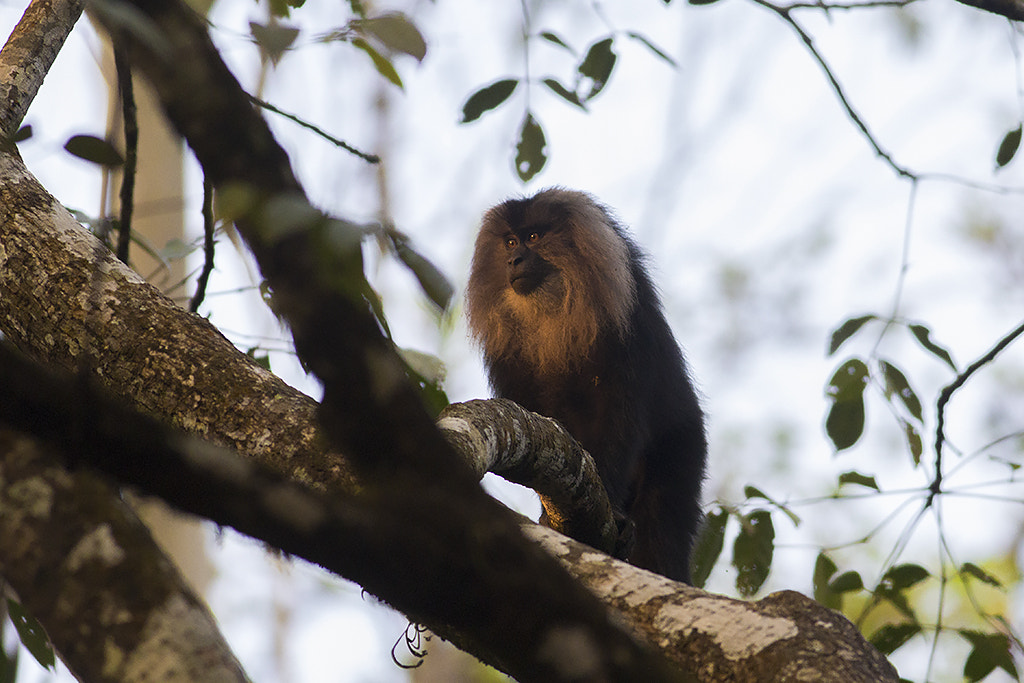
point(571, 327)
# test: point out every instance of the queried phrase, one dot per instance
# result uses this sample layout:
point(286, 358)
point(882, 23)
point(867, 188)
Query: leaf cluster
point(592, 69)
point(753, 547)
point(845, 420)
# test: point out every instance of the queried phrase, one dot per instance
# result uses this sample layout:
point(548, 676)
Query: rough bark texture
point(68, 302)
point(28, 55)
point(501, 437)
point(783, 637)
point(81, 562)
point(786, 636)
point(48, 304)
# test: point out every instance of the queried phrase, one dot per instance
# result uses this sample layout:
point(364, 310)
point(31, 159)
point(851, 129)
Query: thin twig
point(785, 13)
point(828, 6)
point(131, 150)
point(947, 393)
point(208, 246)
point(365, 156)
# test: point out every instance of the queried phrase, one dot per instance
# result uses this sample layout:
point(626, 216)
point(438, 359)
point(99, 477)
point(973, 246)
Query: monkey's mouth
point(522, 284)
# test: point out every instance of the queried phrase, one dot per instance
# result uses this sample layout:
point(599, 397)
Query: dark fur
point(584, 341)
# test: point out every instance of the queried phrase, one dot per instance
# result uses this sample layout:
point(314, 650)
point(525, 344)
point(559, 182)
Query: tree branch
point(1011, 9)
point(778, 638)
point(59, 532)
point(786, 14)
point(947, 393)
point(28, 54)
point(492, 436)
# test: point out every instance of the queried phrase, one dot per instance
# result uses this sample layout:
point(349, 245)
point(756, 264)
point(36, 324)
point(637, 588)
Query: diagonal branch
point(1011, 9)
point(947, 393)
point(786, 14)
point(28, 55)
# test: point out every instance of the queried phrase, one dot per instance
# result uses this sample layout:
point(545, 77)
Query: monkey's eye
point(533, 237)
point(511, 242)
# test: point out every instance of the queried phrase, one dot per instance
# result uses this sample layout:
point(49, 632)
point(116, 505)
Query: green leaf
point(554, 39)
point(923, 336)
point(24, 133)
point(847, 582)
point(974, 571)
point(397, 32)
point(282, 8)
point(754, 492)
point(273, 39)
point(859, 479)
point(262, 358)
point(433, 282)
point(530, 156)
point(563, 92)
point(487, 98)
point(989, 650)
point(892, 636)
point(913, 441)
point(384, 66)
point(845, 421)
point(708, 546)
point(896, 384)
point(658, 52)
point(1008, 147)
point(597, 66)
point(824, 568)
point(847, 330)
point(428, 372)
point(32, 635)
point(903, 576)
point(752, 552)
point(93, 149)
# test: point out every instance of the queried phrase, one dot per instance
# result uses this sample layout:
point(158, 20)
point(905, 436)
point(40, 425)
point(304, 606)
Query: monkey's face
point(525, 267)
point(524, 254)
point(549, 273)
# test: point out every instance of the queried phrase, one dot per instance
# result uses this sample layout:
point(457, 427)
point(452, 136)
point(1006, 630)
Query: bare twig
point(829, 6)
point(131, 150)
point(365, 156)
point(785, 13)
point(947, 394)
point(208, 247)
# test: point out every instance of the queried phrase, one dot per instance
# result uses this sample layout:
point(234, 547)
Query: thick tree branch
point(501, 437)
point(783, 637)
point(28, 54)
point(84, 565)
point(65, 298)
point(1011, 9)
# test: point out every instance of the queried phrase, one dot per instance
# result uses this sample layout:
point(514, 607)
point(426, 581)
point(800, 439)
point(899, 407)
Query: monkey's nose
point(517, 256)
